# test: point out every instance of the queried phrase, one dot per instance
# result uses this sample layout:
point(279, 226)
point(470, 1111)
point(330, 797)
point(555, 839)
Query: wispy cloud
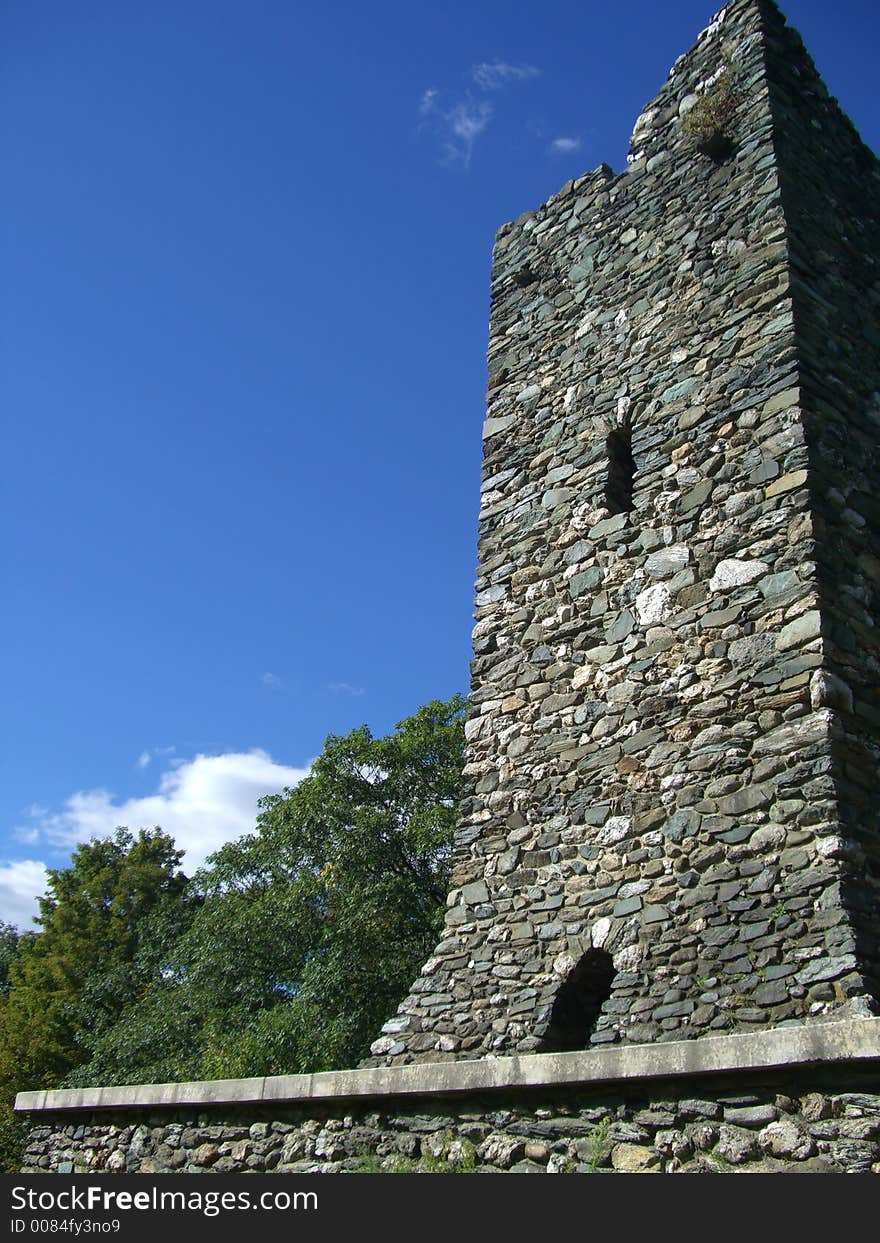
point(344, 688)
point(146, 757)
point(202, 802)
point(21, 884)
point(429, 101)
point(459, 118)
point(272, 681)
point(564, 146)
point(29, 834)
point(493, 75)
point(465, 122)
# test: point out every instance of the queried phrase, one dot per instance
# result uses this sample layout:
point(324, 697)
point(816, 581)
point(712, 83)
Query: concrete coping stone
point(806, 1044)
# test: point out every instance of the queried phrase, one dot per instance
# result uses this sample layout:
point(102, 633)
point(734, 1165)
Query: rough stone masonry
point(802, 1098)
point(669, 850)
point(673, 755)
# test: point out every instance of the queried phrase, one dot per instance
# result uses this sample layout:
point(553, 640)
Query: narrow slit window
point(621, 471)
point(578, 1003)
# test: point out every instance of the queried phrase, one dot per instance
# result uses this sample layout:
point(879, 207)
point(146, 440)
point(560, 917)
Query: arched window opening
point(578, 1003)
point(621, 471)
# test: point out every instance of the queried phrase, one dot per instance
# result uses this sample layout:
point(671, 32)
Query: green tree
point(311, 929)
point(9, 936)
point(93, 919)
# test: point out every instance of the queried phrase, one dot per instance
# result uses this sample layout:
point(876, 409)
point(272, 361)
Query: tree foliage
point(9, 936)
point(308, 931)
point(96, 922)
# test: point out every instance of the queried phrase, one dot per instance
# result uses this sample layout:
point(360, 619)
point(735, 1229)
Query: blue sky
point(244, 315)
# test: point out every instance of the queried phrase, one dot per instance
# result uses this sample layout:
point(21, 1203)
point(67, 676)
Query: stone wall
point(673, 753)
point(801, 1098)
point(804, 1122)
point(831, 199)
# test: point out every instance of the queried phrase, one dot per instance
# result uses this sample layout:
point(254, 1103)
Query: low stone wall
point(805, 1100)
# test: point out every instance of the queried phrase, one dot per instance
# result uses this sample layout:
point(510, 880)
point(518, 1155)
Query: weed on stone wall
point(451, 1156)
point(708, 122)
point(600, 1144)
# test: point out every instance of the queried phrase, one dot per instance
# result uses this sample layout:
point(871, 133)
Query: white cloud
point(145, 759)
point(344, 688)
point(202, 803)
point(21, 884)
point(29, 834)
point(492, 76)
point(457, 119)
point(272, 681)
point(565, 146)
point(464, 125)
point(428, 101)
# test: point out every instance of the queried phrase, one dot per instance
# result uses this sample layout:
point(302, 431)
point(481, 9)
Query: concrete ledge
point(854, 1040)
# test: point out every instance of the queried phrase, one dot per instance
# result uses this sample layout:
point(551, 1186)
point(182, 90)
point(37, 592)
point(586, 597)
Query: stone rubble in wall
point(756, 1129)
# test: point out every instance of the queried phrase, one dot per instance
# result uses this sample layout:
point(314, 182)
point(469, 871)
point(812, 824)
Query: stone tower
point(672, 820)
